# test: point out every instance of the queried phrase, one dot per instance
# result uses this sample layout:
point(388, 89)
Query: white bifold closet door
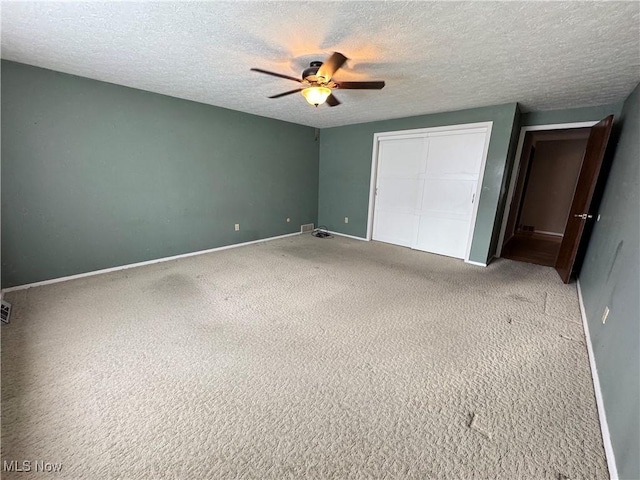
point(426, 190)
point(401, 167)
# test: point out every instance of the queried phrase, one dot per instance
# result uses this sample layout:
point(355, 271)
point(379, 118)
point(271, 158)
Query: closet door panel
point(401, 163)
point(451, 177)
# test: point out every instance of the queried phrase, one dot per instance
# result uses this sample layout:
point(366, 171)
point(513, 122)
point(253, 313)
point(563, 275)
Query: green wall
point(345, 171)
point(96, 175)
point(610, 277)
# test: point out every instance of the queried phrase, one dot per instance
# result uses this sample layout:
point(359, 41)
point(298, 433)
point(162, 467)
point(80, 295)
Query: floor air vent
point(306, 228)
point(5, 311)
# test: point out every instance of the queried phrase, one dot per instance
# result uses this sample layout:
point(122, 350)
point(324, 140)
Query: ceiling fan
point(318, 84)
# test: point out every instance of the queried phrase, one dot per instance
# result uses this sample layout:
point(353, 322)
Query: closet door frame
point(424, 132)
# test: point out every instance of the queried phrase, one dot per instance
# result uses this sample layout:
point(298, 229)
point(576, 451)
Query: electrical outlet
point(288, 219)
point(605, 314)
point(346, 219)
point(237, 227)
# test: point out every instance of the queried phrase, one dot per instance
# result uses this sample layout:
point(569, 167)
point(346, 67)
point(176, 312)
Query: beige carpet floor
point(302, 358)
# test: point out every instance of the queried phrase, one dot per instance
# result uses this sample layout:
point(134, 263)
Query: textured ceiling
point(435, 57)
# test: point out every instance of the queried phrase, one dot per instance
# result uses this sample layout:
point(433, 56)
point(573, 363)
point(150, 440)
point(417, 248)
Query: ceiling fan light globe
point(316, 95)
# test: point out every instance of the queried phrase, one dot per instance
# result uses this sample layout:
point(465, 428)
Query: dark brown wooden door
point(580, 212)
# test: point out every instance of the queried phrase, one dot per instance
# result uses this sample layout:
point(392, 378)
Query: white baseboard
point(604, 426)
point(348, 236)
point(141, 264)
point(479, 264)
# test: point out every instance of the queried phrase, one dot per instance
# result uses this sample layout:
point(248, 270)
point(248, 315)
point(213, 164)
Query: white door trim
point(418, 132)
point(516, 166)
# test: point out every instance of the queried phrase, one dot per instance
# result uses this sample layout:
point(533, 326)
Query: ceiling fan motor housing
point(310, 72)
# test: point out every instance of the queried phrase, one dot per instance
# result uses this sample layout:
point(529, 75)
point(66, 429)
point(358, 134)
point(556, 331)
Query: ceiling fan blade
point(286, 93)
point(274, 74)
point(331, 66)
point(375, 85)
point(332, 101)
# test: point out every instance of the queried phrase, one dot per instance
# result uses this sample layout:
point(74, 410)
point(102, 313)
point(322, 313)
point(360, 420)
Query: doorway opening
point(550, 165)
point(586, 193)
